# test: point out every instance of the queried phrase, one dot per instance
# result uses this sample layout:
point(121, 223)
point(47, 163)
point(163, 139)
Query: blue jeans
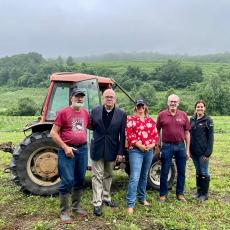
point(139, 166)
point(167, 153)
point(72, 170)
point(201, 165)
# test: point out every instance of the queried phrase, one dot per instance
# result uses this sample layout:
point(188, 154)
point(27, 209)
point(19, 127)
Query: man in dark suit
point(107, 144)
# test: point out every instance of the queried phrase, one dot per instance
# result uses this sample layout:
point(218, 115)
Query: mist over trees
point(33, 70)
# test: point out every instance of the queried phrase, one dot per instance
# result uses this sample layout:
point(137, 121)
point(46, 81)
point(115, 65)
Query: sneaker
point(181, 198)
point(162, 199)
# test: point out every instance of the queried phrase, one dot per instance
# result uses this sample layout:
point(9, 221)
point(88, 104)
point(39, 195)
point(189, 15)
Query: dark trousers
point(72, 170)
point(167, 153)
point(201, 165)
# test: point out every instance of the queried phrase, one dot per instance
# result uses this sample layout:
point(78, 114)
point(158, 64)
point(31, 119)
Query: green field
point(20, 211)
point(10, 96)
point(148, 66)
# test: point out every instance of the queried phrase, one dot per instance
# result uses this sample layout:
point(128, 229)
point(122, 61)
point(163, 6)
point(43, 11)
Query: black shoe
point(97, 211)
point(110, 204)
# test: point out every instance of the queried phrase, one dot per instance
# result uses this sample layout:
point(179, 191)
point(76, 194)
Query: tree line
point(32, 70)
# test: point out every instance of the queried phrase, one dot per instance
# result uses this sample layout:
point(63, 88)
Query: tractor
point(34, 161)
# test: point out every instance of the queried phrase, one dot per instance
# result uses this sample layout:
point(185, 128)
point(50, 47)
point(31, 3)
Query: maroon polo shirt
point(173, 127)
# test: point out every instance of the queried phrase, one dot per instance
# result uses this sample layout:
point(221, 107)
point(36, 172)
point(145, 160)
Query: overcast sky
point(89, 27)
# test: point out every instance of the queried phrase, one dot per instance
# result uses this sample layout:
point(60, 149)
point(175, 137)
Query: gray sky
point(89, 27)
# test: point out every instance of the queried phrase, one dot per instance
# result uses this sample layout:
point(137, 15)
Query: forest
point(151, 77)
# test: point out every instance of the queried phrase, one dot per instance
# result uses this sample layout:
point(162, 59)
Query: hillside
point(192, 78)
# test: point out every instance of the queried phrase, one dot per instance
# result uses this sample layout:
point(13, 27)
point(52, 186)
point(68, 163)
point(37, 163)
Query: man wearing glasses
point(173, 130)
point(108, 124)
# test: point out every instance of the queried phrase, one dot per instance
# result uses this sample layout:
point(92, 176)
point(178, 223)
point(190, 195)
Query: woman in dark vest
point(201, 148)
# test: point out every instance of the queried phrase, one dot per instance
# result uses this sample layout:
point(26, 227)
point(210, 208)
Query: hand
point(140, 146)
point(119, 158)
point(69, 151)
point(158, 151)
point(143, 148)
point(149, 147)
point(187, 155)
point(205, 158)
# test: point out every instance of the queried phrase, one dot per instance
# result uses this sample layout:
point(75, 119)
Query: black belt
point(173, 143)
point(77, 146)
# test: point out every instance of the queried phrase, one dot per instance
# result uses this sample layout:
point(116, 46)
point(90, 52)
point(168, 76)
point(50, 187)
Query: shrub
point(25, 107)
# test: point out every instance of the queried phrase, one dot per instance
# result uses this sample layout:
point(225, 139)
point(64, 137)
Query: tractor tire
point(153, 180)
point(34, 165)
point(154, 175)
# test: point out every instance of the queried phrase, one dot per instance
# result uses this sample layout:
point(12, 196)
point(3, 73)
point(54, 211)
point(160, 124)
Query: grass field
point(10, 96)
point(19, 211)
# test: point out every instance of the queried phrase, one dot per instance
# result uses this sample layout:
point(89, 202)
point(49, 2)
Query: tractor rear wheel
point(34, 165)
point(153, 180)
point(155, 172)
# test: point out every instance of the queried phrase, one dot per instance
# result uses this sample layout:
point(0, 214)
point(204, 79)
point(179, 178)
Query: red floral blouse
point(144, 132)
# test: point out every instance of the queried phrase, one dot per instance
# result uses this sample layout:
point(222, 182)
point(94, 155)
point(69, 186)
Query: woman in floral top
point(142, 137)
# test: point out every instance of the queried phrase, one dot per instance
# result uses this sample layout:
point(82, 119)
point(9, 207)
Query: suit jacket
point(106, 144)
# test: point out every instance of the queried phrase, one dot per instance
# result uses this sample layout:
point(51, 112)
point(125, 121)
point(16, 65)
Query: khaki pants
point(101, 181)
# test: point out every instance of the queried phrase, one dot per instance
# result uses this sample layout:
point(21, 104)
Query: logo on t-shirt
point(78, 125)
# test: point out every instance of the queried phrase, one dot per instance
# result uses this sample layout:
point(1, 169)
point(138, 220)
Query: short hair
point(109, 90)
point(173, 95)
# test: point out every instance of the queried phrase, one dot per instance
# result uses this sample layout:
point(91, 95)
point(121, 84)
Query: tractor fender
point(38, 127)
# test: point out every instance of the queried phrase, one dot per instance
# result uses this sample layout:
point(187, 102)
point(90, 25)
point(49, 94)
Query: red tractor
point(34, 163)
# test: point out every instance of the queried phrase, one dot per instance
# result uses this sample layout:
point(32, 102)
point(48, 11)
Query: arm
point(210, 138)
point(153, 136)
point(187, 141)
point(159, 131)
point(57, 139)
point(122, 135)
point(90, 123)
point(158, 145)
point(122, 139)
point(131, 135)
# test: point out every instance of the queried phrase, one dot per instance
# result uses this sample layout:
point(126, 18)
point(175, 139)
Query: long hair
point(197, 102)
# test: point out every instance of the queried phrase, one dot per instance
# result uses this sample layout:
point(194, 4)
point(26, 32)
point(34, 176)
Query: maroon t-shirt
point(173, 127)
point(73, 125)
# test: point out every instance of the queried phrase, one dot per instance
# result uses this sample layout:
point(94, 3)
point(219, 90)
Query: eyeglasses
point(109, 97)
point(173, 101)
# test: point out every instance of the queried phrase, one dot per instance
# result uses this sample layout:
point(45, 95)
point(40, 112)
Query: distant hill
point(32, 69)
point(150, 56)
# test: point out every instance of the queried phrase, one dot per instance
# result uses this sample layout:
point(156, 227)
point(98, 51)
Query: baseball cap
point(76, 92)
point(140, 102)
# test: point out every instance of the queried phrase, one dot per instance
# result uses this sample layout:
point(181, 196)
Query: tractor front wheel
point(34, 165)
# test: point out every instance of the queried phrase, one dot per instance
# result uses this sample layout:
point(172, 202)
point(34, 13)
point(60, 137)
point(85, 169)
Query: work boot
point(198, 186)
point(205, 180)
point(64, 207)
point(76, 198)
